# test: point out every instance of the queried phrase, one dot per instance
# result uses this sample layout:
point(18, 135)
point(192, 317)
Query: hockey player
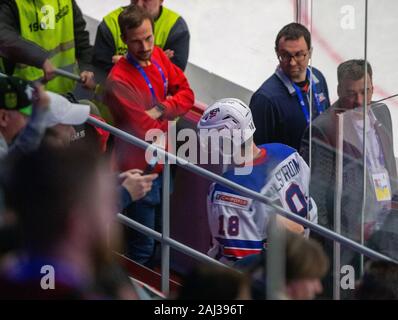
point(238, 223)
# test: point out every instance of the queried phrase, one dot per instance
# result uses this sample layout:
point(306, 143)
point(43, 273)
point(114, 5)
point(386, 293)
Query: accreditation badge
point(381, 183)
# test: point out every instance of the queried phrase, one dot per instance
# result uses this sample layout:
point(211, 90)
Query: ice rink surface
point(235, 38)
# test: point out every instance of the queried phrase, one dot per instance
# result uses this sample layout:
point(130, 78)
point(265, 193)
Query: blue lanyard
point(144, 75)
point(304, 107)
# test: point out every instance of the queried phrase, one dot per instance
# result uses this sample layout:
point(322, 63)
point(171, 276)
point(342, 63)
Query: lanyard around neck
point(374, 149)
point(300, 98)
point(145, 76)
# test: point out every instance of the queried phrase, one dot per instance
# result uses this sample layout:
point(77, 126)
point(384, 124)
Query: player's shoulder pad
point(277, 152)
point(225, 196)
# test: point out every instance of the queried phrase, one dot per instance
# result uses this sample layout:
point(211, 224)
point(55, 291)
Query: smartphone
point(150, 166)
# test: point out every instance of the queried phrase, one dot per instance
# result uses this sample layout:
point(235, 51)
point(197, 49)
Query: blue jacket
point(277, 113)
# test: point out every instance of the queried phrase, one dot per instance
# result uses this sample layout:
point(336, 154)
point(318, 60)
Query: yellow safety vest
point(49, 24)
point(163, 26)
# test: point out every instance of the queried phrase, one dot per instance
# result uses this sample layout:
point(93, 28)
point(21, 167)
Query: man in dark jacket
point(281, 106)
point(340, 130)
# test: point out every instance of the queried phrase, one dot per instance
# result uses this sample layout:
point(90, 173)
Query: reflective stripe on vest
point(163, 26)
point(49, 24)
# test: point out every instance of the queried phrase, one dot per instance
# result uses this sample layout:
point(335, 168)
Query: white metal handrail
point(248, 192)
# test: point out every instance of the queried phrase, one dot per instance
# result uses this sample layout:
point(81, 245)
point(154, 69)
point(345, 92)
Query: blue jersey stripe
point(245, 244)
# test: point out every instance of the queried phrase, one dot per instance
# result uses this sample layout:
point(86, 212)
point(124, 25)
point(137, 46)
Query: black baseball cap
point(14, 95)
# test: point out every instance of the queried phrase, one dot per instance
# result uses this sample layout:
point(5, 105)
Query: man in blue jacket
point(280, 107)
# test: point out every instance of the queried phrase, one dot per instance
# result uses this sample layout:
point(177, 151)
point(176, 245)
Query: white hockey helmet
point(231, 114)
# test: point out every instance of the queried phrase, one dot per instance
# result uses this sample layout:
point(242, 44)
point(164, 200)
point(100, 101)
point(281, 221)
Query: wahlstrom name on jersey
point(284, 175)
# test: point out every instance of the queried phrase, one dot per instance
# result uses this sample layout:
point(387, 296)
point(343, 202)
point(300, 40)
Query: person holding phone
point(136, 184)
point(144, 91)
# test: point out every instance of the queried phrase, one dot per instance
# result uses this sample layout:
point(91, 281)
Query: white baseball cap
point(62, 111)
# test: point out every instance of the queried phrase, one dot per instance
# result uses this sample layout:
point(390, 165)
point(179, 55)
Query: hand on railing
point(87, 80)
point(49, 70)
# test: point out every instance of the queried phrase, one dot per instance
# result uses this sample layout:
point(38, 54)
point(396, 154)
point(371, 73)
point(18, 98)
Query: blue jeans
point(146, 211)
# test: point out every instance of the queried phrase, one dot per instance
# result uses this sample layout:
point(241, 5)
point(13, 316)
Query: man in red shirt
point(144, 91)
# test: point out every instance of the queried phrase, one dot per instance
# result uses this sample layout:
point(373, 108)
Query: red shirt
point(128, 97)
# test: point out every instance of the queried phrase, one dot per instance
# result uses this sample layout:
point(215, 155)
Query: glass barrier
point(354, 190)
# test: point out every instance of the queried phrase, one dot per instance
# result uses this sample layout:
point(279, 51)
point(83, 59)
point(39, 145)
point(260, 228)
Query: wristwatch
point(160, 107)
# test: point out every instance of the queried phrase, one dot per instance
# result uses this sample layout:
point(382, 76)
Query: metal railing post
point(303, 13)
point(365, 114)
point(165, 268)
point(275, 261)
point(337, 204)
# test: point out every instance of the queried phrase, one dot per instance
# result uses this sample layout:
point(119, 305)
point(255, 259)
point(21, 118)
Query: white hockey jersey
point(238, 224)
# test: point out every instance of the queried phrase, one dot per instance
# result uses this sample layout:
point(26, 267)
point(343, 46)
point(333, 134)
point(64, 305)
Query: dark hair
point(132, 17)
point(293, 31)
point(42, 188)
point(305, 258)
point(212, 283)
point(379, 282)
point(353, 69)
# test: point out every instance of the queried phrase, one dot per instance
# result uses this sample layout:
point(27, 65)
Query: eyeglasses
point(298, 57)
